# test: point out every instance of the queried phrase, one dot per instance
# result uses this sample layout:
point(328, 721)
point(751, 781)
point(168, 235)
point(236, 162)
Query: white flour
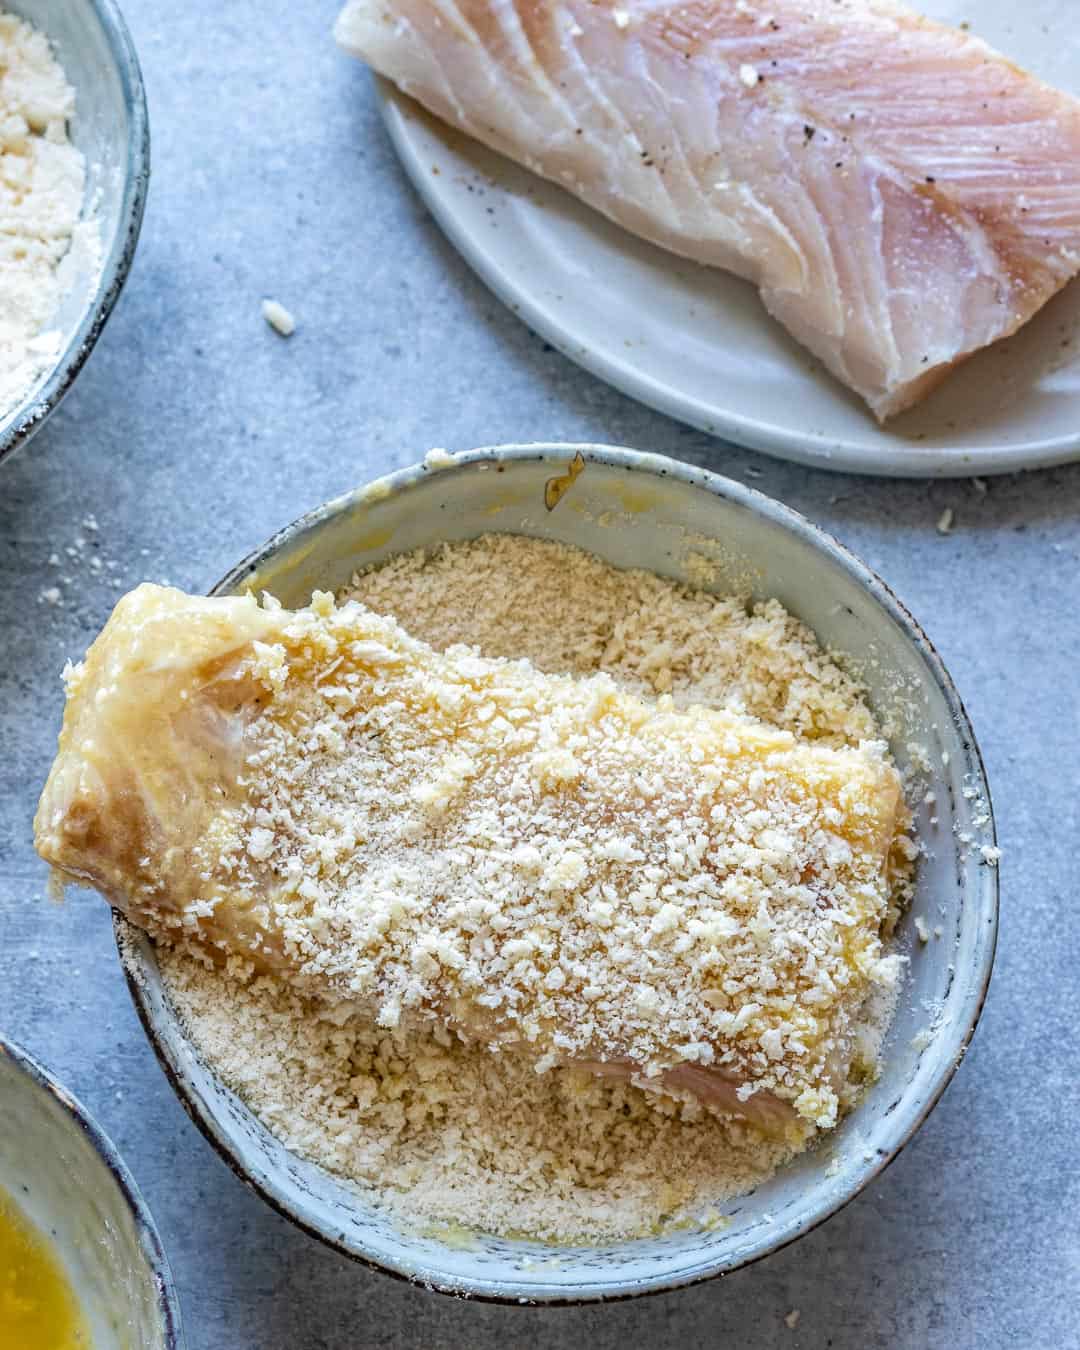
point(42, 185)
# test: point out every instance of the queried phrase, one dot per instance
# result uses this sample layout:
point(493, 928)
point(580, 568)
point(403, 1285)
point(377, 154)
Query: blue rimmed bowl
point(641, 510)
point(66, 1177)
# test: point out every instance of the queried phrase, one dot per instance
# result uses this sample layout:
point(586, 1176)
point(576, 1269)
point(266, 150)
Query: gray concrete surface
point(194, 432)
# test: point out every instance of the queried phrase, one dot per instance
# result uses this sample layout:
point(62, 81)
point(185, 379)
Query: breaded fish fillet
point(533, 861)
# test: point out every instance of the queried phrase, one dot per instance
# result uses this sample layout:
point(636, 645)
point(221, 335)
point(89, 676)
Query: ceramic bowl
point(111, 128)
point(67, 1178)
point(645, 511)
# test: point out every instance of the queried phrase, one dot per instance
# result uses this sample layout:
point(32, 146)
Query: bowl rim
point(149, 1240)
point(30, 414)
point(558, 453)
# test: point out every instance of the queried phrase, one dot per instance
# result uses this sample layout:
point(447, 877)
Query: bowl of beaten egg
point(81, 1263)
point(74, 172)
point(456, 1168)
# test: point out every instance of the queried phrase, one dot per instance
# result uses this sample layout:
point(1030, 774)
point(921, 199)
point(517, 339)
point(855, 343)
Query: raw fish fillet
point(901, 195)
point(543, 864)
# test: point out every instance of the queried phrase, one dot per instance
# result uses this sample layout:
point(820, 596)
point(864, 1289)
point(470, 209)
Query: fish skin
point(901, 195)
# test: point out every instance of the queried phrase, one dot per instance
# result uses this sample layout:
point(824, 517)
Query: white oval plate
point(697, 344)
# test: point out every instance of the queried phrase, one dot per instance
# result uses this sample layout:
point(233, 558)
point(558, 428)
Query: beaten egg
point(38, 1307)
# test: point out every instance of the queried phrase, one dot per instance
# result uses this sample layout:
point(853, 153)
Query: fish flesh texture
point(547, 865)
point(901, 194)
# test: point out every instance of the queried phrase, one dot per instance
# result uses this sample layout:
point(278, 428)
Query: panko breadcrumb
point(448, 1132)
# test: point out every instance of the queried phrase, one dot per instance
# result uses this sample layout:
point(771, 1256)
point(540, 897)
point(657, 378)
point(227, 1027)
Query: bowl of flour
point(74, 169)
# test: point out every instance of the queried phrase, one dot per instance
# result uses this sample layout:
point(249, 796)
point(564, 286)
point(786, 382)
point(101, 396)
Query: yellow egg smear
point(38, 1308)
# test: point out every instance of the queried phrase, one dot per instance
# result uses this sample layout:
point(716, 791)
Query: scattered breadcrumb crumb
point(791, 1321)
point(84, 552)
point(749, 76)
point(278, 317)
point(990, 855)
point(945, 521)
point(921, 928)
point(438, 458)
